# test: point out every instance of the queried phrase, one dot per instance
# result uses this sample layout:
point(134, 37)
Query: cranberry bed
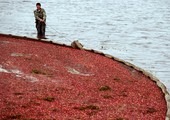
point(41, 80)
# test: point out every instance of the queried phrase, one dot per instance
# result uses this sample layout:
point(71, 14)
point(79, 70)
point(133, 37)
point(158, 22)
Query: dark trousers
point(40, 29)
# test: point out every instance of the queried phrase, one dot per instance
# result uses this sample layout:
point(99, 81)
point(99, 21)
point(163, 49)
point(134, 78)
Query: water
point(136, 31)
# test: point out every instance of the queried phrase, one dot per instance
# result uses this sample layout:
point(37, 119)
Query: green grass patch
point(123, 93)
point(107, 97)
point(41, 72)
point(13, 117)
point(150, 110)
point(89, 107)
point(35, 71)
point(120, 119)
point(49, 99)
point(104, 88)
point(54, 109)
point(117, 79)
point(18, 93)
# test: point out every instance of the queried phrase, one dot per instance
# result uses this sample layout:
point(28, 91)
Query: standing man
point(40, 18)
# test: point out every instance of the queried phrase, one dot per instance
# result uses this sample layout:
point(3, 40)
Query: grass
point(18, 116)
point(89, 107)
point(117, 79)
point(49, 99)
point(80, 108)
point(18, 93)
point(120, 119)
point(35, 71)
point(54, 109)
point(150, 110)
point(24, 106)
point(107, 97)
point(124, 93)
point(91, 113)
point(92, 107)
point(104, 88)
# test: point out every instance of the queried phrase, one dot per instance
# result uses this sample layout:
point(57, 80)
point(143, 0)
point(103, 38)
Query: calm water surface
point(136, 31)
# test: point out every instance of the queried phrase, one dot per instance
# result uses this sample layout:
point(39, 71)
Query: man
point(40, 18)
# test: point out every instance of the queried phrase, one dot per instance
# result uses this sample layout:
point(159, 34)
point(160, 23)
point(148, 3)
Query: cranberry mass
point(40, 80)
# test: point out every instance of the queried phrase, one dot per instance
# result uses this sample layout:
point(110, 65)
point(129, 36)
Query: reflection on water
point(138, 32)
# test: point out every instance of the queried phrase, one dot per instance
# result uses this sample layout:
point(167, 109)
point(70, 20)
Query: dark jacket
point(40, 14)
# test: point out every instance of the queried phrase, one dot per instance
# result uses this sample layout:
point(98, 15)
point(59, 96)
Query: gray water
point(136, 31)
